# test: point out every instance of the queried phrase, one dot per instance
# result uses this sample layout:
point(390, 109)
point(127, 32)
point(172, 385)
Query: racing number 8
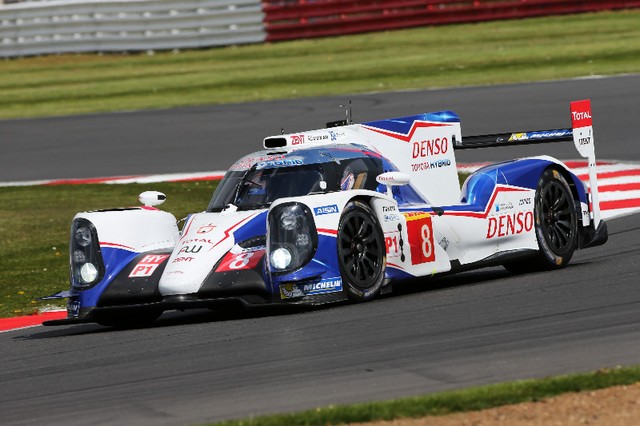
point(420, 233)
point(427, 244)
point(241, 261)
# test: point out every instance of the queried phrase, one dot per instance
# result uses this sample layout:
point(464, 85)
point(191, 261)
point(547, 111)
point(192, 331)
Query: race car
point(341, 213)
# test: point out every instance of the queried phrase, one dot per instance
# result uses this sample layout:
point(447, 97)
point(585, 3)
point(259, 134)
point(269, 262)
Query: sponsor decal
point(415, 215)
point(504, 206)
point(190, 249)
point(317, 138)
point(584, 140)
point(420, 233)
point(324, 286)
point(248, 162)
point(430, 165)
point(544, 134)
point(206, 229)
point(391, 218)
point(549, 134)
point(444, 243)
point(182, 259)
point(393, 243)
point(73, 308)
point(581, 114)
point(430, 147)
point(518, 137)
point(387, 209)
point(290, 290)
point(586, 217)
point(335, 135)
point(279, 163)
point(331, 209)
point(241, 261)
point(297, 139)
point(198, 240)
point(525, 202)
point(509, 224)
point(147, 265)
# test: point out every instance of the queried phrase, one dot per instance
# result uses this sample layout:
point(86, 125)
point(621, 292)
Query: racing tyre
point(556, 225)
point(361, 252)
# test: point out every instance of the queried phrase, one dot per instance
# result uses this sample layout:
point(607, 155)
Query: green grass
point(456, 55)
point(450, 402)
point(34, 233)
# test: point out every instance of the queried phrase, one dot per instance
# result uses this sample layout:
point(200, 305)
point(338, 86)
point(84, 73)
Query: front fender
point(123, 235)
point(322, 273)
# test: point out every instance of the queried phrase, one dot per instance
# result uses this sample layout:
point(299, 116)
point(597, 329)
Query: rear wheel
point(556, 224)
point(361, 252)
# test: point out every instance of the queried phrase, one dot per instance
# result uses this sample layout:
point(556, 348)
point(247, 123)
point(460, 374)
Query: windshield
point(258, 188)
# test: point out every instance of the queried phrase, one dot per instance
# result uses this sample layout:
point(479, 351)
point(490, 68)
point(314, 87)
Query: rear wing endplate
point(581, 134)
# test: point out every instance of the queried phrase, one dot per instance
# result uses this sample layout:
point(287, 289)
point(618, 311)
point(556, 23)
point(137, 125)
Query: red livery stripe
point(483, 215)
point(407, 138)
point(116, 245)
point(328, 231)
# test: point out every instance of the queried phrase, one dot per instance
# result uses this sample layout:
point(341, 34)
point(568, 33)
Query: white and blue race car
point(342, 213)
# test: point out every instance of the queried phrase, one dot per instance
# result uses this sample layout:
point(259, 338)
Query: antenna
point(347, 121)
point(348, 111)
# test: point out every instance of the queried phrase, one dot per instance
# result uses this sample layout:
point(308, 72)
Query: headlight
point(302, 240)
point(85, 258)
point(78, 256)
point(289, 221)
point(83, 236)
point(292, 238)
point(280, 258)
point(88, 272)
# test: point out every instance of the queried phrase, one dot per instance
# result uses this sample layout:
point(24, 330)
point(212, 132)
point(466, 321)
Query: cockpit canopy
point(255, 181)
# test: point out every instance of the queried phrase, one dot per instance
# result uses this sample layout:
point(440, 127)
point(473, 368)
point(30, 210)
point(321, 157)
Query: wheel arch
point(518, 172)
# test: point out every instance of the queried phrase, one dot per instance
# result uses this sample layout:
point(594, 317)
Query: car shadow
point(198, 316)
point(168, 319)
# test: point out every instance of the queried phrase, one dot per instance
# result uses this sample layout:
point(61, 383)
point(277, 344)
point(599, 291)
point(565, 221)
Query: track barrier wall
point(295, 19)
point(62, 26)
point(41, 27)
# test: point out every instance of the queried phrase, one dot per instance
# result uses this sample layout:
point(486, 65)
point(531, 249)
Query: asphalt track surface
point(212, 138)
point(452, 332)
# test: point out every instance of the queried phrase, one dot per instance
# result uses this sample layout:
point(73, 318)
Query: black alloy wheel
point(361, 251)
point(556, 225)
point(557, 217)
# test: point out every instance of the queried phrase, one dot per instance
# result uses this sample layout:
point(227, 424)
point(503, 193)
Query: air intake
point(275, 142)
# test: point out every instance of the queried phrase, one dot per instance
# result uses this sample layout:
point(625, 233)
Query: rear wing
point(510, 139)
point(581, 134)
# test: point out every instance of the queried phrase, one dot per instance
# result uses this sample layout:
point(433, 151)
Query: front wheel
point(361, 252)
point(556, 224)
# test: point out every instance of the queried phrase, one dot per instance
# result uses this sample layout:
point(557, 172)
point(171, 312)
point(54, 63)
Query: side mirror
point(152, 198)
point(393, 179)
